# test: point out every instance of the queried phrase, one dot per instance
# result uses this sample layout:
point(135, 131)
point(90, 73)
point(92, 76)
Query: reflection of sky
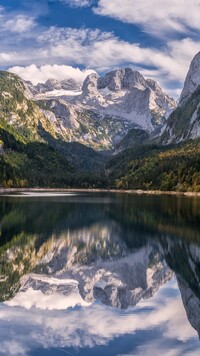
point(157, 326)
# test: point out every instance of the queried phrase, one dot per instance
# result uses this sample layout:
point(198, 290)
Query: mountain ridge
point(122, 95)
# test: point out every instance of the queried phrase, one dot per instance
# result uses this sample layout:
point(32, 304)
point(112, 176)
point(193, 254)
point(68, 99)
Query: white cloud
point(155, 16)
point(104, 51)
point(19, 24)
point(92, 48)
point(42, 74)
point(98, 325)
point(13, 348)
point(77, 3)
point(15, 23)
point(101, 51)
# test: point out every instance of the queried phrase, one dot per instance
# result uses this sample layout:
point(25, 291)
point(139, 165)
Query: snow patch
point(57, 93)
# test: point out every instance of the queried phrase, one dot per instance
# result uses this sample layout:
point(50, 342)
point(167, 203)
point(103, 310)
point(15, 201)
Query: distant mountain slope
point(80, 156)
point(184, 123)
point(133, 137)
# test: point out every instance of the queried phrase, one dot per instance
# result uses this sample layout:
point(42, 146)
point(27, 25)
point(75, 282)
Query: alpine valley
point(117, 131)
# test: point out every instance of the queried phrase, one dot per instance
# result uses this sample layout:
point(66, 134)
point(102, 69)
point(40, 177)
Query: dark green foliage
point(31, 164)
point(84, 158)
point(37, 164)
point(134, 136)
point(11, 140)
point(155, 167)
point(80, 156)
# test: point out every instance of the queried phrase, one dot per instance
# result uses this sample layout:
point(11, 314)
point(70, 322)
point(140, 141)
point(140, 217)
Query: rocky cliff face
point(192, 80)
point(77, 124)
point(184, 123)
point(53, 85)
point(126, 94)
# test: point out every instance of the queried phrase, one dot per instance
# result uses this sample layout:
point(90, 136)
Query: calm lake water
point(99, 274)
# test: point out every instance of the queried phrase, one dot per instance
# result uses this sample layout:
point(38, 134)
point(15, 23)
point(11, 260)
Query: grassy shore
point(146, 192)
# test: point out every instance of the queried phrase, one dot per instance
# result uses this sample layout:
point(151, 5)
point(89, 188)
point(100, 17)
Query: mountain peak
point(122, 78)
point(125, 93)
point(90, 84)
point(192, 80)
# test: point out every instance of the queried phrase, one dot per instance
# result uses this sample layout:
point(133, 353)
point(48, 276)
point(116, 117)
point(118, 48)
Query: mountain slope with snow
point(125, 93)
point(102, 112)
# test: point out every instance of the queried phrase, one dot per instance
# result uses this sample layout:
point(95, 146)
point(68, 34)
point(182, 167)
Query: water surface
point(99, 274)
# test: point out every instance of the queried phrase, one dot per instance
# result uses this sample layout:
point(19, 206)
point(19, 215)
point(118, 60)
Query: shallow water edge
point(139, 191)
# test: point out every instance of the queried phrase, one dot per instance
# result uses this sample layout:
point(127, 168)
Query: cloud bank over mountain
point(102, 35)
point(42, 74)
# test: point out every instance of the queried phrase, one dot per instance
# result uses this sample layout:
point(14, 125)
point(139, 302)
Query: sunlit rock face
point(184, 123)
point(192, 80)
point(127, 94)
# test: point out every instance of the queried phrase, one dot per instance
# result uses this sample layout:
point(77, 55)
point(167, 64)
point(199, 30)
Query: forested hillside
point(175, 167)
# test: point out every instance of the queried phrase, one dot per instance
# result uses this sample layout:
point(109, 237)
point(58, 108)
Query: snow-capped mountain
point(53, 84)
point(125, 93)
point(101, 112)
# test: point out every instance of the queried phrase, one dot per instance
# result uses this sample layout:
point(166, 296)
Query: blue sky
point(41, 39)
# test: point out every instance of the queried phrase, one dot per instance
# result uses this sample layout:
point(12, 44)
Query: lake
point(99, 274)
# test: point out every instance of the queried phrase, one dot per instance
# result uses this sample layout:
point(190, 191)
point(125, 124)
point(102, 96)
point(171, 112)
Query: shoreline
point(90, 190)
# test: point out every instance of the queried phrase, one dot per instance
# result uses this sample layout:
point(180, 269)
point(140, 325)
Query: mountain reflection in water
point(120, 261)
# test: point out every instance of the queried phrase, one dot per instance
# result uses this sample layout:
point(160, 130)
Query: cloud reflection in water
point(159, 324)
